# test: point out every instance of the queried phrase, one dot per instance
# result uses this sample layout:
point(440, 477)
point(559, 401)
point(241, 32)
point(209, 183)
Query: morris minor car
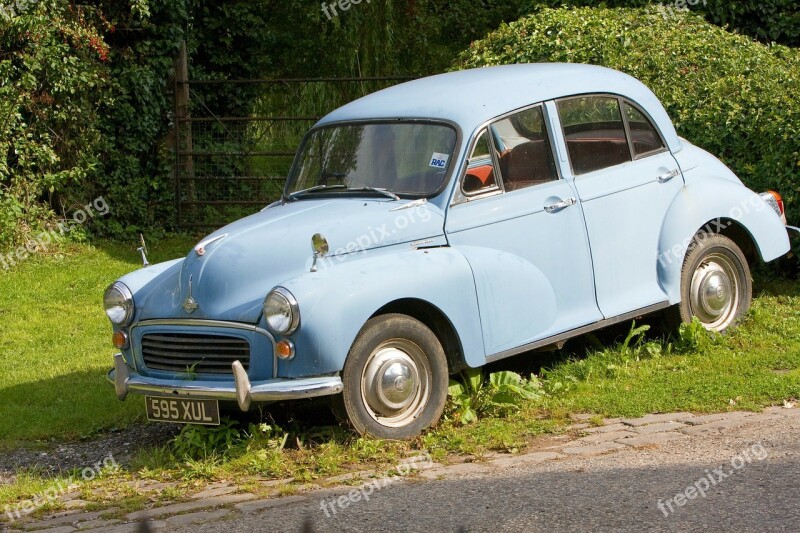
point(440, 224)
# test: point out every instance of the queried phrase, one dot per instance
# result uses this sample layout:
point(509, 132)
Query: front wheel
point(715, 284)
point(395, 378)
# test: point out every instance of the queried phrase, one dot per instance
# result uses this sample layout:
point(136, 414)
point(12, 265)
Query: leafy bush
point(53, 82)
point(736, 98)
point(504, 392)
point(201, 442)
point(135, 177)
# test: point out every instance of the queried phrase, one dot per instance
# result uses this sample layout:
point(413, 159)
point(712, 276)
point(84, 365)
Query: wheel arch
point(436, 321)
point(742, 237)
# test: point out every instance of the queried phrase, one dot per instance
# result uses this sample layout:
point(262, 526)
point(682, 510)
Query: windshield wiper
point(295, 194)
point(381, 190)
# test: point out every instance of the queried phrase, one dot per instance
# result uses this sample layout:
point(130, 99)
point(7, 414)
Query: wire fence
point(232, 157)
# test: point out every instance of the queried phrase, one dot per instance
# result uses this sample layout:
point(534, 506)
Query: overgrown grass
point(54, 340)
point(756, 365)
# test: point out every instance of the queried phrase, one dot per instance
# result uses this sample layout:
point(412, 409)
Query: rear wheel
point(715, 284)
point(395, 378)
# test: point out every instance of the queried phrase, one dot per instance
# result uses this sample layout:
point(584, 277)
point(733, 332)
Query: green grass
point(55, 342)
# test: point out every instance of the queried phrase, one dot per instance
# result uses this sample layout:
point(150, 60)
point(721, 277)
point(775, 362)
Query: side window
point(524, 151)
point(594, 131)
point(644, 135)
point(480, 172)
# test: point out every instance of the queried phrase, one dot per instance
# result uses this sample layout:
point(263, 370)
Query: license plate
point(181, 411)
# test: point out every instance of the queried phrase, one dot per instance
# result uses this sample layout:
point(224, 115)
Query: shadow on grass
point(72, 406)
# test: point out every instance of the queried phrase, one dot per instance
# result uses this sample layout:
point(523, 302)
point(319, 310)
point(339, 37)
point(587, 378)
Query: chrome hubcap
point(715, 292)
point(395, 382)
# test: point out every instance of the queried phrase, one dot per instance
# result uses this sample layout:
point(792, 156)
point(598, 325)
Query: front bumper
point(244, 392)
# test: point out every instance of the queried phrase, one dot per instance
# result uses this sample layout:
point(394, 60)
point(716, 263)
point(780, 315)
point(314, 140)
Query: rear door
point(626, 180)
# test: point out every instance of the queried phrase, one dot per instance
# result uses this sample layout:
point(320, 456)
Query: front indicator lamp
point(285, 349)
point(120, 340)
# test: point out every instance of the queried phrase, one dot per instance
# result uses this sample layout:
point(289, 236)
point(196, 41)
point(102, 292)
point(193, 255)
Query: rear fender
point(712, 204)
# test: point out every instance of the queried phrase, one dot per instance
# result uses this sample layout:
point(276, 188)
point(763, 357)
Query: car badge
point(190, 305)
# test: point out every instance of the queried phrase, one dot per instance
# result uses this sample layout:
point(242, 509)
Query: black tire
point(395, 378)
point(716, 286)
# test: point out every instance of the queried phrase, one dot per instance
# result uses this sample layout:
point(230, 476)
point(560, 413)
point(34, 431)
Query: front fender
point(336, 301)
point(714, 201)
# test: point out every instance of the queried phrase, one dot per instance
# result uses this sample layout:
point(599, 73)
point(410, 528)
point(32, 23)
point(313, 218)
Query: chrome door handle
point(558, 206)
point(669, 175)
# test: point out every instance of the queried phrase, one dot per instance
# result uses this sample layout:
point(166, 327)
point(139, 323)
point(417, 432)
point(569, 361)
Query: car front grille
point(194, 353)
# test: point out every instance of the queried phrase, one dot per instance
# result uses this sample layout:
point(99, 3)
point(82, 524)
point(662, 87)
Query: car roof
point(470, 98)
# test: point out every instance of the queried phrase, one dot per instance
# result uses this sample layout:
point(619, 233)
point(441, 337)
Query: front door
point(521, 228)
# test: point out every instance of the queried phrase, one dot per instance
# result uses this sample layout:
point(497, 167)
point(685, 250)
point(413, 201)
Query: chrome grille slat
point(188, 362)
point(203, 339)
point(203, 353)
point(180, 352)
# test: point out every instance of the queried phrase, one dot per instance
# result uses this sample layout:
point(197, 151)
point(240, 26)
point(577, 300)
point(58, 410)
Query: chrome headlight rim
point(126, 302)
point(290, 302)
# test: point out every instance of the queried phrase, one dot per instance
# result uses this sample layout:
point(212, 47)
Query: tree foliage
point(85, 98)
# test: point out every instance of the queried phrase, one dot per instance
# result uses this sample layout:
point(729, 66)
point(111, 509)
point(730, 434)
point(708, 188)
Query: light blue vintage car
point(442, 224)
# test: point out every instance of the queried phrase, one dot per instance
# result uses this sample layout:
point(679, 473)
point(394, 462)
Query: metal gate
point(229, 166)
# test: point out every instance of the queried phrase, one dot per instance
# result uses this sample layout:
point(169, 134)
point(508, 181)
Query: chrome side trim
point(576, 332)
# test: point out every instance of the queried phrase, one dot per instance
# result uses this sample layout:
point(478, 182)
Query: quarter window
point(594, 131)
point(644, 135)
point(480, 172)
point(523, 149)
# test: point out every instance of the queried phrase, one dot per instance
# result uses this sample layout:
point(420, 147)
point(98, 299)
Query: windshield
point(404, 158)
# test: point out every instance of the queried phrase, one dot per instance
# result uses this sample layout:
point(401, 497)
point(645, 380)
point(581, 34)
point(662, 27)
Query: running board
point(562, 337)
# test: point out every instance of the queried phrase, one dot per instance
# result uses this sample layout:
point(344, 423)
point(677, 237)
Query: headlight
point(118, 303)
point(281, 312)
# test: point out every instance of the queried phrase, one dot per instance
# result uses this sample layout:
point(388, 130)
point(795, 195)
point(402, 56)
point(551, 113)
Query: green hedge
point(736, 98)
point(766, 20)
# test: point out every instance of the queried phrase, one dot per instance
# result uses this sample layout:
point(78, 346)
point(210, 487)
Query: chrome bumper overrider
point(126, 380)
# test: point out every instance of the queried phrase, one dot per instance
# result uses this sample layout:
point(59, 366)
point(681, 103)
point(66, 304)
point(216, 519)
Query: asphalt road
point(749, 479)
